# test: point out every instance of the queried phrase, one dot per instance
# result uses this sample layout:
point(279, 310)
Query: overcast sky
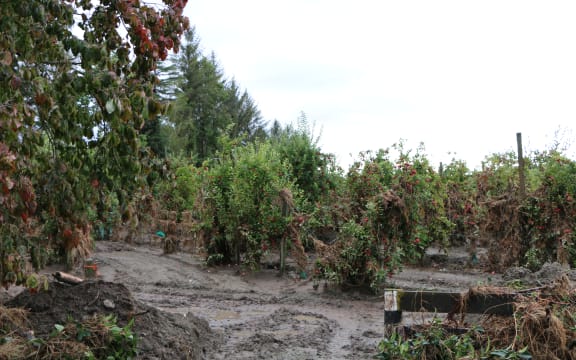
point(463, 77)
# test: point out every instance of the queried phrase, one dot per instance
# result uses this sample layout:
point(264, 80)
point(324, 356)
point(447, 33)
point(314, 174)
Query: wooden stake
point(522, 189)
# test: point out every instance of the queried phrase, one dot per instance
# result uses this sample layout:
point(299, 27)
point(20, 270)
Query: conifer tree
point(207, 105)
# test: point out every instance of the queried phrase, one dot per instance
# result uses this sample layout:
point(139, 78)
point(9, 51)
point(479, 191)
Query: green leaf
point(83, 333)
point(59, 328)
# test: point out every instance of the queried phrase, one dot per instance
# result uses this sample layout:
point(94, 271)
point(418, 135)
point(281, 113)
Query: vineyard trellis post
point(287, 209)
point(522, 185)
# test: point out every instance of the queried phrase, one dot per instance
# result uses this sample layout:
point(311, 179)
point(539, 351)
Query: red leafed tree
point(76, 86)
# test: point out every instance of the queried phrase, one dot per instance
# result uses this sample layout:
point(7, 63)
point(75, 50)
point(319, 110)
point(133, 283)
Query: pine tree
point(206, 105)
point(156, 130)
point(244, 114)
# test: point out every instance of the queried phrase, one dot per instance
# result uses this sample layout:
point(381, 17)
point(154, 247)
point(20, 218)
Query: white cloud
point(460, 76)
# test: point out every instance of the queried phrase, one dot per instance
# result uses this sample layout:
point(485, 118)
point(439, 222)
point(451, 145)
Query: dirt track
point(260, 315)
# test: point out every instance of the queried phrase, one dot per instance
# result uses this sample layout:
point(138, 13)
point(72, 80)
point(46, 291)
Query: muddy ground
point(225, 313)
point(254, 315)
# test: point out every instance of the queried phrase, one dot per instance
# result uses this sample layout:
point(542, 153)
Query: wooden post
point(285, 214)
point(522, 189)
point(237, 249)
point(287, 208)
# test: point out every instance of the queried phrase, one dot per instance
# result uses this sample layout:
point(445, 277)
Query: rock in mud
point(516, 273)
point(549, 272)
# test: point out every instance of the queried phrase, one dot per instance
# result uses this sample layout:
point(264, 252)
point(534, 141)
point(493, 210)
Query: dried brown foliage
point(502, 225)
point(12, 319)
point(543, 322)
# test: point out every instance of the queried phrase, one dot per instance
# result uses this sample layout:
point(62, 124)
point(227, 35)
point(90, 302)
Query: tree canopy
point(76, 87)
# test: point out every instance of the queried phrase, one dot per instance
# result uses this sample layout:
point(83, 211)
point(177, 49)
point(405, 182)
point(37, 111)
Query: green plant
point(461, 208)
point(533, 258)
point(122, 342)
point(314, 172)
point(435, 342)
point(395, 347)
point(237, 200)
point(516, 284)
point(101, 336)
point(36, 282)
point(358, 261)
point(391, 213)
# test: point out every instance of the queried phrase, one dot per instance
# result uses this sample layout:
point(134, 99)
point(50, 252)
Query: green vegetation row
point(384, 212)
point(97, 127)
